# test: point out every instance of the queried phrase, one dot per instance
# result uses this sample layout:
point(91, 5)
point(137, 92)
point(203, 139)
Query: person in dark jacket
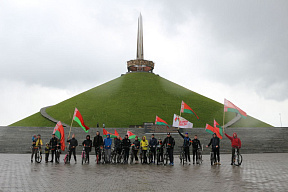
point(186, 145)
point(152, 145)
point(53, 145)
point(72, 147)
point(160, 150)
point(169, 143)
point(98, 143)
point(118, 146)
point(126, 143)
point(88, 145)
point(215, 142)
point(235, 144)
point(196, 146)
point(135, 149)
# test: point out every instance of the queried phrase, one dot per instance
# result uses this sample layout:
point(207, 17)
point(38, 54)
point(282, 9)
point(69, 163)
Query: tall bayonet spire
point(139, 64)
point(140, 54)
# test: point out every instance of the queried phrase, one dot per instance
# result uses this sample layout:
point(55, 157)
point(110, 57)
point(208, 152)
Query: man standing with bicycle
point(97, 143)
point(196, 146)
point(126, 143)
point(72, 147)
point(215, 142)
point(186, 145)
point(88, 145)
point(235, 143)
point(107, 146)
point(53, 143)
point(169, 142)
point(152, 145)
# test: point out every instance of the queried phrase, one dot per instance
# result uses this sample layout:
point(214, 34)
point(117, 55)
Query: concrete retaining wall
point(254, 140)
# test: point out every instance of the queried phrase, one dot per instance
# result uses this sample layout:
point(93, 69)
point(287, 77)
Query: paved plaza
point(259, 172)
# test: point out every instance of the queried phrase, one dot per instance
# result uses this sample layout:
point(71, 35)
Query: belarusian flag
point(229, 106)
point(79, 119)
point(213, 130)
point(186, 109)
point(131, 135)
point(116, 134)
point(59, 133)
point(105, 133)
point(217, 126)
point(160, 121)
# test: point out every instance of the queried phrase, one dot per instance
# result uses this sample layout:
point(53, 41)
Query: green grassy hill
point(133, 99)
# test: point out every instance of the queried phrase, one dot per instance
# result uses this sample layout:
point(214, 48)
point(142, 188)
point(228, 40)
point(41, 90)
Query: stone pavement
point(259, 172)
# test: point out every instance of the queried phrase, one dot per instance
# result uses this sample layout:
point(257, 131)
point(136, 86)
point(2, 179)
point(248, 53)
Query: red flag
point(59, 133)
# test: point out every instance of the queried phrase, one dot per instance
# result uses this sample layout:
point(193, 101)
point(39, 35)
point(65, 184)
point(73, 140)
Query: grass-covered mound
point(136, 98)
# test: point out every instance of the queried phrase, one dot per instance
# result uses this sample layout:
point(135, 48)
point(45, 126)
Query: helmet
point(38, 135)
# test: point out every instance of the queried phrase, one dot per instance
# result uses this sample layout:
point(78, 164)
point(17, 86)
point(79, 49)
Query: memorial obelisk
point(139, 64)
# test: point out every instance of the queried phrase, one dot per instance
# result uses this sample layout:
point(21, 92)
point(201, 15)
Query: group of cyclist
point(124, 145)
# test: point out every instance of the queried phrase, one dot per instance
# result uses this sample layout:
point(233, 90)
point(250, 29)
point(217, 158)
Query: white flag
point(181, 122)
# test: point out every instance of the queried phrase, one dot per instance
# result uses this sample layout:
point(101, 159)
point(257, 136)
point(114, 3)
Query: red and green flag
point(160, 121)
point(59, 133)
point(105, 133)
point(218, 127)
point(186, 109)
point(79, 119)
point(131, 135)
point(213, 130)
point(116, 134)
point(229, 106)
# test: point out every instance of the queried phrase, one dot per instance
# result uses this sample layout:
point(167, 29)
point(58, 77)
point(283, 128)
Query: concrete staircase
point(254, 140)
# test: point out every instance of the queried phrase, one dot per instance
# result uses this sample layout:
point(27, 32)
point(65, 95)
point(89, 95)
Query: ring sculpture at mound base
point(140, 65)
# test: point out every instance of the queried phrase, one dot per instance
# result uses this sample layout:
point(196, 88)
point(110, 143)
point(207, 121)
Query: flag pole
point(71, 124)
point(224, 119)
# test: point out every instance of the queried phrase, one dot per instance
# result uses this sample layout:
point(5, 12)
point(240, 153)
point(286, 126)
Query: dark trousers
point(195, 153)
point(187, 153)
point(46, 157)
point(170, 153)
point(233, 153)
point(216, 153)
point(72, 150)
point(144, 153)
point(97, 150)
point(135, 152)
point(33, 152)
point(87, 151)
point(126, 154)
point(153, 151)
point(53, 152)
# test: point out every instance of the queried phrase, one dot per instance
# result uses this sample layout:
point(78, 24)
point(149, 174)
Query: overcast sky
point(53, 50)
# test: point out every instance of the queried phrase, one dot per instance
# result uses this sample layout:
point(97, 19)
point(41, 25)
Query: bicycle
point(38, 154)
point(66, 158)
point(166, 157)
point(150, 156)
point(83, 155)
point(199, 155)
point(57, 154)
point(182, 156)
point(131, 153)
point(97, 154)
point(103, 156)
point(212, 158)
point(159, 154)
point(114, 155)
point(237, 160)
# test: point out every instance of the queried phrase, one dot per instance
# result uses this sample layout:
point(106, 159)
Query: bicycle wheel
point(212, 158)
point(131, 158)
point(165, 159)
point(240, 159)
point(103, 157)
point(65, 159)
point(184, 158)
point(158, 158)
point(38, 157)
point(83, 156)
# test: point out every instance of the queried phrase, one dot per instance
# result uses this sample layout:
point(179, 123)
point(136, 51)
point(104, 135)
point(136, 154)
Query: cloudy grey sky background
point(53, 50)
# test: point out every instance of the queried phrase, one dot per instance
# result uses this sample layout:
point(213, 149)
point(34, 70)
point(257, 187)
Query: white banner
point(181, 122)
